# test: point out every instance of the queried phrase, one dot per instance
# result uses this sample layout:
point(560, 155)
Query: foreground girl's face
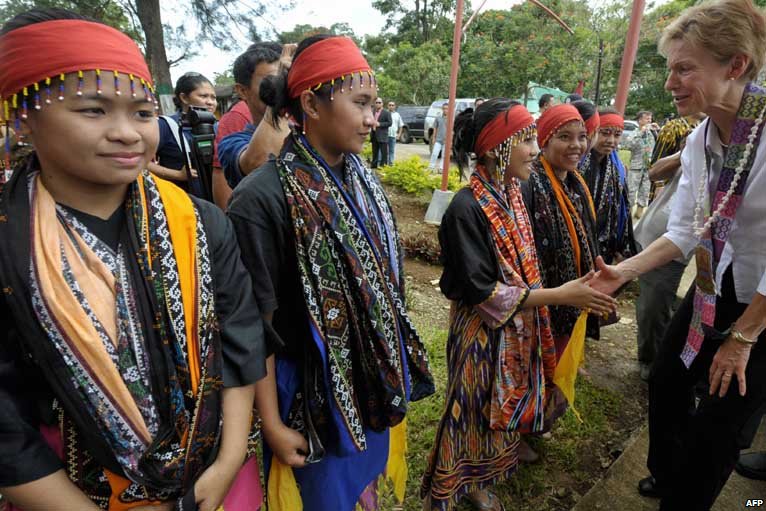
point(345, 122)
point(523, 156)
point(567, 146)
point(102, 139)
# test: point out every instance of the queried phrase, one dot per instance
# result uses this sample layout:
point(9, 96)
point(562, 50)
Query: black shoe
point(648, 487)
point(752, 465)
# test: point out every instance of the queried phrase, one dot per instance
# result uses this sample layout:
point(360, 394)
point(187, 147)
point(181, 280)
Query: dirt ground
point(610, 366)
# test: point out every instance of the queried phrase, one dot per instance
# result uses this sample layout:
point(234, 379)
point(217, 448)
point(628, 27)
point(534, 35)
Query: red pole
point(456, 39)
point(629, 55)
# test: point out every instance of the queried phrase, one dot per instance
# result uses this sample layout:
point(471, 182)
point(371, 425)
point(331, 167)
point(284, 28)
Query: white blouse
point(745, 248)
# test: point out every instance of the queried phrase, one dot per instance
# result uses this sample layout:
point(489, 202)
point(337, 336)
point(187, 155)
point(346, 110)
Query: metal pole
point(629, 55)
point(598, 70)
point(456, 40)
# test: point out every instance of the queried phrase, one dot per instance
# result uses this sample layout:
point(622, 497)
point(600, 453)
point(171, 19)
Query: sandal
point(492, 502)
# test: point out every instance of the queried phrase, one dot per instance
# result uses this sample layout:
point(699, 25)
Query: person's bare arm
point(265, 141)
point(610, 278)
point(288, 445)
point(665, 168)
point(167, 173)
point(730, 361)
point(214, 483)
point(54, 492)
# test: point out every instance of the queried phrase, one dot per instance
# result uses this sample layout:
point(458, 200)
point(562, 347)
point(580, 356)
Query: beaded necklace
point(699, 227)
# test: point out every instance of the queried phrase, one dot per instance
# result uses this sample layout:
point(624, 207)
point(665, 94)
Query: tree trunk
point(425, 21)
point(151, 22)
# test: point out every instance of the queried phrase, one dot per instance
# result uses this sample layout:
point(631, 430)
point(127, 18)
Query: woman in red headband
point(321, 243)
point(500, 349)
point(121, 353)
point(562, 212)
point(605, 175)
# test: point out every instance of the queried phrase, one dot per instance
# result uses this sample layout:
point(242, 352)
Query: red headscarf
point(65, 46)
point(593, 123)
point(503, 127)
point(554, 118)
point(612, 120)
point(326, 60)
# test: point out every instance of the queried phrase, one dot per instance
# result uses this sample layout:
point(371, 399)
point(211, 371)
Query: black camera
point(201, 124)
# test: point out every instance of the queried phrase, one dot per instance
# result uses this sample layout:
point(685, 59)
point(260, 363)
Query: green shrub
point(366, 154)
point(413, 176)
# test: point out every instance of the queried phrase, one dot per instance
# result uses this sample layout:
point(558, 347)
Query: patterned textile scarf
point(713, 240)
point(350, 265)
point(86, 300)
point(609, 190)
point(526, 354)
point(564, 241)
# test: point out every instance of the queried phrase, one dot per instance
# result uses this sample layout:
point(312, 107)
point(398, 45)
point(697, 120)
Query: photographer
point(192, 90)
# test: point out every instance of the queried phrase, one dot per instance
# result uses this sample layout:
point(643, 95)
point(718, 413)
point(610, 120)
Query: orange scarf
point(567, 208)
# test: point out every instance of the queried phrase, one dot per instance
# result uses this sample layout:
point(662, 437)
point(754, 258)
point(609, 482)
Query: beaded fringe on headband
point(16, 107)
point(506, 146)
point(371, 81)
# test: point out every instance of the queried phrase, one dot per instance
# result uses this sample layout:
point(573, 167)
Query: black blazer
point(381, 132)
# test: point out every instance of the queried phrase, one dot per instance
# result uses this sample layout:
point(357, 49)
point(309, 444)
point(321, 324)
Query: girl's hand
point(288, 445)
point(579, 293)
point(213, 485)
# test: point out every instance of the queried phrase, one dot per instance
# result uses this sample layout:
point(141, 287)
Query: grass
point(567, 460)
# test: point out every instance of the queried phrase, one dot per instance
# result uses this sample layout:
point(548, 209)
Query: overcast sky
point(360, 15)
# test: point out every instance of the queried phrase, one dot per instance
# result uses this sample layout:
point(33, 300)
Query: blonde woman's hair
point(724, 28)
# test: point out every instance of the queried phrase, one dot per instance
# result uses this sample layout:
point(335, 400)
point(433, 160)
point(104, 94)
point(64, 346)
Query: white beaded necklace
point(699, 228)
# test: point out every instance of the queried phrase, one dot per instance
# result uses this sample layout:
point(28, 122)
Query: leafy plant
point(413, 176)
point(366, 153)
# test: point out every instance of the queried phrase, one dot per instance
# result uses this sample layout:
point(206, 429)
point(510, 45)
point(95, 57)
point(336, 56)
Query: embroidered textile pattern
point(183, 421)
point(608, 186)
point(526, 353)
point(349, 259)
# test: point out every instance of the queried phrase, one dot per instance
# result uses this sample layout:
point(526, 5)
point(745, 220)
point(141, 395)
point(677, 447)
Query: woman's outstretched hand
point(579, 293)
point(608, 278)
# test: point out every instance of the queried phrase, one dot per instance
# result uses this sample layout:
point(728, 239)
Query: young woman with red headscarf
point(319, 238)
point(607, 181)
point(500, 351)
point(129, 338)
point(562, 212)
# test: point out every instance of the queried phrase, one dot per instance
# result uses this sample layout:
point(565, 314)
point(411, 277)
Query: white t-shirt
point(396, 123)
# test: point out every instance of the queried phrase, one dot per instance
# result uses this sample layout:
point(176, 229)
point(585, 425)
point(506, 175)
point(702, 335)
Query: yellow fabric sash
point(182, 224)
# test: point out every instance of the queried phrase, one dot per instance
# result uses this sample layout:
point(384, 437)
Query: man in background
point(439, 136)
point(641, 146)
point(394, 131)
point(243, 151)
point(379, 136)
point(546, 101)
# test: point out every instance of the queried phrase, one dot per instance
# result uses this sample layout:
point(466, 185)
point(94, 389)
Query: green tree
point(419, 22)
point(142, 20)
point(302, 31)
point(504, 50)
point(413, 74)
point(106, 11)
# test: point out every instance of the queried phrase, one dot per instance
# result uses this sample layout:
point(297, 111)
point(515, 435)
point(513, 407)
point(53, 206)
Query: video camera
point(200, 154)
